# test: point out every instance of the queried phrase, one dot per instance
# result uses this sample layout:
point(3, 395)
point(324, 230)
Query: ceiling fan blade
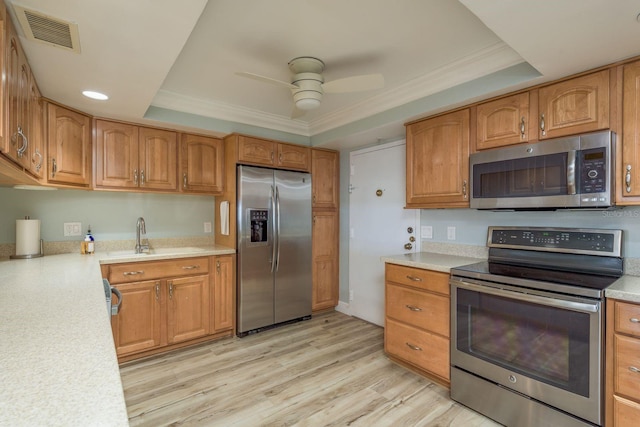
point(266, 79)
point(354, 84)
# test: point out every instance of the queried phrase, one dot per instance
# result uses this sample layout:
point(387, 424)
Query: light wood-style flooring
point(327, 371)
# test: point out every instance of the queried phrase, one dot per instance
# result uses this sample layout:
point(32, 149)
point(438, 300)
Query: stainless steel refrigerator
point(274, 248)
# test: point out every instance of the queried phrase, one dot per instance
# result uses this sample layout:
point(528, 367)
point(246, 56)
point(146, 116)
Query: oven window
point(546, 343)
point(526, 177)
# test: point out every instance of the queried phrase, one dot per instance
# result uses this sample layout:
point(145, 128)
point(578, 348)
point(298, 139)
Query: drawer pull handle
point(634, 369)
point(190, 267)
point(413, 347)
point(634, 320)
point(133, 273)
point(414, 278)
point(413, 307)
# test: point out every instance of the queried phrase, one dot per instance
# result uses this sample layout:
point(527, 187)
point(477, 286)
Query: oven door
point(541, 345)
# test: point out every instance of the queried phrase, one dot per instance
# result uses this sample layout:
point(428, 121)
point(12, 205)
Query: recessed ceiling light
point(95, 95)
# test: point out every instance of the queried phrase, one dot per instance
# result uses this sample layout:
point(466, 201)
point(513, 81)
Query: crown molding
point(481, 63)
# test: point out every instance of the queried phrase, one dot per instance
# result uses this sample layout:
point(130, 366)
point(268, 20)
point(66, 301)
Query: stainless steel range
point(527, 326)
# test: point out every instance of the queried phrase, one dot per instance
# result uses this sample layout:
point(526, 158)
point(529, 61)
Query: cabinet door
point(201, 164)
point(68, 147)
point(325, 259)
point(137, 326)
point(158, 156)
point(116, 155)
point(325, 170)
point(256, 151)
point(187, 308)
point(574, 106)
point(438, 161)
point(503, 122)
point(223, 294)
point(293, 157)
point(36, 131)
point(629, 170)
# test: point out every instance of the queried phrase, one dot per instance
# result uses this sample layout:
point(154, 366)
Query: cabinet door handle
point(634, 369)
point(135, 176)
point(133, 273)
point(218, 266)
point(272, 156)
point(25, 142)
point(464, 188)
point(634, 320)
point(627, 178)
point(171, 290)
point(39, 162)
point(542, 125)
point(414, 278)
point(142, 178)
point(54, 167)
point(413, 307)
point(184, 180)
point(190, 267)
point(413, 347)
point(157, 291)
point(522, 128)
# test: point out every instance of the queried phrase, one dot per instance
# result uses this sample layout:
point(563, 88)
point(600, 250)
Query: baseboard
point(343, 307)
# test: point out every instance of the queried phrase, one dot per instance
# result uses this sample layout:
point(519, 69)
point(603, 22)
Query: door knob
point(409, 230)
point(408, 246)
point(412, 239)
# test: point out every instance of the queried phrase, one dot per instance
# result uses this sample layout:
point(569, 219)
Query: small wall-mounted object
point(379, 192)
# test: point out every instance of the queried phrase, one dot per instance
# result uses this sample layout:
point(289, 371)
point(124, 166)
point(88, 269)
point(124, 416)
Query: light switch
point(426, 232)
point(451, 233)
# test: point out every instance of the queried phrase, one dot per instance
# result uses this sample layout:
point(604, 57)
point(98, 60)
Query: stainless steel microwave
point(571, 172)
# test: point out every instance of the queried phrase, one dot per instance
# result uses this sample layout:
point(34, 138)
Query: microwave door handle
point(571, 172)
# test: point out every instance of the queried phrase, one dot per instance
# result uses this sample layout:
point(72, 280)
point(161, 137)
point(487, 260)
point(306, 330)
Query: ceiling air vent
point(47, 29)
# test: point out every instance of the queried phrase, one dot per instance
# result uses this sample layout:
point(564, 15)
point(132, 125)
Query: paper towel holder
point(29, 256)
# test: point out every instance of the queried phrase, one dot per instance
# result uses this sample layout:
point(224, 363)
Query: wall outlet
point(72, 229)
point(207, 227)
point(451, 233)
point(426, 232)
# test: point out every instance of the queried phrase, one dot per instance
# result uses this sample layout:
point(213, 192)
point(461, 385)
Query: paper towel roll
point(27, 236)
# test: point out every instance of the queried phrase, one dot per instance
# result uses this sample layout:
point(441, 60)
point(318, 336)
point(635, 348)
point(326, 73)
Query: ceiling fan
point(307, 83)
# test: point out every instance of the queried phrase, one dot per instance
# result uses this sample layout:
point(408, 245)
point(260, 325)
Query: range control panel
point(567, 240)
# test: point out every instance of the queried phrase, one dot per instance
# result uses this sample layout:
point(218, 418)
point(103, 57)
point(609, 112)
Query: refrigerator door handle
point(278, 224)
point(273, 227)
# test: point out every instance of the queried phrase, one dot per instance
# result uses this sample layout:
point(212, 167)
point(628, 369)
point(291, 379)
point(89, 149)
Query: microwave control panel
point(593, 171)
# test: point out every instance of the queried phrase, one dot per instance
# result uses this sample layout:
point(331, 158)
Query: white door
point(378, 224)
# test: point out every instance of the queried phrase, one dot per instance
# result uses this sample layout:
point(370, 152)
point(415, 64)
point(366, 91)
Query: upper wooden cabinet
point(37, 165)
point(68, 147)
point(325, 169)
point(201, 164)
point(628, 160)
point(503, 121)
point(264, 152)
point(574, 106)
point(438, 161)
point(129, 156)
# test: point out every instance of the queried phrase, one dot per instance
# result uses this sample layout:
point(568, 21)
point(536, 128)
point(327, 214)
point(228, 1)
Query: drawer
point(418, 308)
point(627, 318)
point(149, 270)
point(627, 357)
point(625, 412)
point(434, 281)
point(425, 350)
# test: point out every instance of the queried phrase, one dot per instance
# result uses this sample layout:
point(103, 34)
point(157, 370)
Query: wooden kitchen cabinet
point(171, 303)
point(263, 152)
point(503, 121)
point(417, 307)
point(628, 152)
point(438, 161)
point(325, 242)
point(201, 164)
point(622, 407)
point(68, 147)
point(325, 184)
point(37, 165)
point(134, 157)
point(574, 106)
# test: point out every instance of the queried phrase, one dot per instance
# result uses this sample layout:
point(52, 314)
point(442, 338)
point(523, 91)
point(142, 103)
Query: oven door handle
point(551, 302)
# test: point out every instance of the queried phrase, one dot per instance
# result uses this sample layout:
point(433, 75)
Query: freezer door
point(293, 251)
point(256, 237)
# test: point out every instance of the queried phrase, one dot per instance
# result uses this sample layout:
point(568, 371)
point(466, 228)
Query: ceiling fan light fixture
point(307, 103)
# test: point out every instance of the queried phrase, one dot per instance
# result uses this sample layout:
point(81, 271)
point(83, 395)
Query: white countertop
point(626, 288)
point(58, 365)
point(430, 261)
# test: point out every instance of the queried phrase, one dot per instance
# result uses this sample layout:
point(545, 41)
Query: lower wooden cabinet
point(416, 332)
point(623, 364)
point(187, 300)
point(325, 260)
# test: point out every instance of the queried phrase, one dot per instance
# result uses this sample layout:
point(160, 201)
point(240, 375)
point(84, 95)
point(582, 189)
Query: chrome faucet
point(141, 229)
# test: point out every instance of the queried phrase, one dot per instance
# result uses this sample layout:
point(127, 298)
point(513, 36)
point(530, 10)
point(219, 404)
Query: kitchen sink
point(130, 253)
